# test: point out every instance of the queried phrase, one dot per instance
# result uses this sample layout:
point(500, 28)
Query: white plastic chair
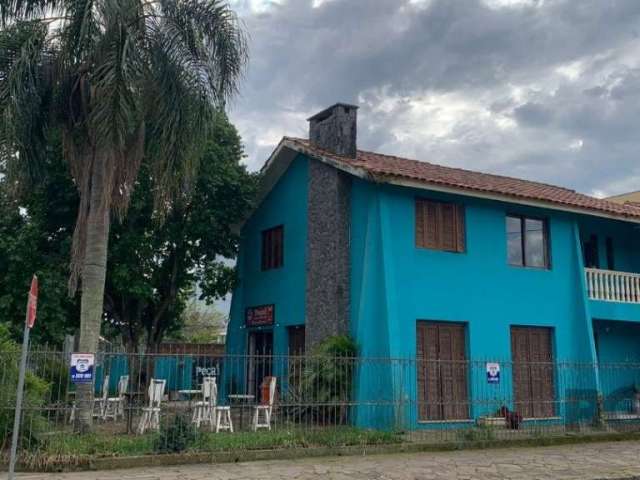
point(204, 409)
point(100, 403)
point(264, 420)
point(151, 415)
point(115, 405)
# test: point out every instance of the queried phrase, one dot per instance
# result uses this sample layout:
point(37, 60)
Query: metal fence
point(172, 402)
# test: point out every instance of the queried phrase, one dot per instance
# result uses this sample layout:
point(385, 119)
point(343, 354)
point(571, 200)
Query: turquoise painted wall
point(400, 284)
point(394, 284)
point(618, 347)
point(284, 287)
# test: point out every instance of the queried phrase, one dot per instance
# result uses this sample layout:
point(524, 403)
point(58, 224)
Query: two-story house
point(457, 272)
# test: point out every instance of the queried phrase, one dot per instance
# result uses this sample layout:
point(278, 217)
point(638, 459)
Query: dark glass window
point(611, 262)
point(273, 248)
point(527, 242)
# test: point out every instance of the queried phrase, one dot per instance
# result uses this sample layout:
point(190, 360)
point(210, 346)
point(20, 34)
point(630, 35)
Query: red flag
point(32, 304)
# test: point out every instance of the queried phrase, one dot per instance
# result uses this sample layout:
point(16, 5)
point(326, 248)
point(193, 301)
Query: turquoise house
point(465, 292)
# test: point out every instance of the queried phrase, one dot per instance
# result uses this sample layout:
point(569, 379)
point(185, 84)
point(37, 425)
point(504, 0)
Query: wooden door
point(533, 371)
point(260, 359)
point(442, 371)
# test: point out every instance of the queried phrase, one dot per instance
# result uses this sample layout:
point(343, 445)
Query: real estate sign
point(82, 367)
point(493, 372)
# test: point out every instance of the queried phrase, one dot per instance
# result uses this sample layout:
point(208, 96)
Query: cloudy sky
point(540, 89)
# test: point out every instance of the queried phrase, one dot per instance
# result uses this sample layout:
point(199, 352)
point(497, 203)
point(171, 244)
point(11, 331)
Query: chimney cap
point(327, 111)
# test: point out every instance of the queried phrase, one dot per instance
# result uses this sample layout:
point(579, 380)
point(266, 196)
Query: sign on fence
point(82, 367)
point(493, 372)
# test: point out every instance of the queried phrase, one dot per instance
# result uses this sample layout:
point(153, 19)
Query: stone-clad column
point(327, 269)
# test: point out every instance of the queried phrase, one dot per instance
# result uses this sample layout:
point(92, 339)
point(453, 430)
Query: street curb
point(71, 464)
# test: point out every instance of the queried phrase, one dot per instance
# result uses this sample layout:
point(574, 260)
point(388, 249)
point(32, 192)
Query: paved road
point(594, 461)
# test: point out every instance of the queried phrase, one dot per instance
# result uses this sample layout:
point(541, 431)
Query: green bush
point(175, 436)
point(326, 382)
point(36, 392)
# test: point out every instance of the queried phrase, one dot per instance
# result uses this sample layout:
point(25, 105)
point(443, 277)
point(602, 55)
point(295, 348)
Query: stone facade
point(335, 129)
point(327, 268)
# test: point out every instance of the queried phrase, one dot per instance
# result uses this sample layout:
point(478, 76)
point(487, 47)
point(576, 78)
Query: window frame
point(264, 255)
point(546, 236)
point(458, 221)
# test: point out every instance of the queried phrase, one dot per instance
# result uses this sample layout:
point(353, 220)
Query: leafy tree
point(201, 324)
point(35, 237)
point(154, 267)
point(123, 80)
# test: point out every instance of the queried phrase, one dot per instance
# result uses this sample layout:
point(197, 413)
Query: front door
point(533, 385)
point(442, 371)
point(260, 359)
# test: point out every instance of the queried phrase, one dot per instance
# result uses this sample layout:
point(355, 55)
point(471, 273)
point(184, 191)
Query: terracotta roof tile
point(387, 166)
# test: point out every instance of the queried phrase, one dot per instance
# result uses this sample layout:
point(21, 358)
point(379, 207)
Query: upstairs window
point(440, 226)
point(273, 248)
point(527, 242)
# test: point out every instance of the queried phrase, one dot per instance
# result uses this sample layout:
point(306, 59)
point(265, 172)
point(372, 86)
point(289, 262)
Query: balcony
point(613, 286)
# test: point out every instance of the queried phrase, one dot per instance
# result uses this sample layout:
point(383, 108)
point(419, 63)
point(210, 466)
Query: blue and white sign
point(493, 372)
point(82, 367)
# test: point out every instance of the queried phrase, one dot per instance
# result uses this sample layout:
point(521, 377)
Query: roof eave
point(287, 150)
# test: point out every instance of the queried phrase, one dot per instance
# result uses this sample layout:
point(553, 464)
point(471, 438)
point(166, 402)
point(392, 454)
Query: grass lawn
point(96, 445)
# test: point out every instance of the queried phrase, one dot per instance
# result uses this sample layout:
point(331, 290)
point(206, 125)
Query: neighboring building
point(631, 197)
point(435, 264)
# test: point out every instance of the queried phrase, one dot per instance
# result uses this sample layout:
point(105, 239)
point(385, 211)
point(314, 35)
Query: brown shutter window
point(273, 248)
point(440, 226)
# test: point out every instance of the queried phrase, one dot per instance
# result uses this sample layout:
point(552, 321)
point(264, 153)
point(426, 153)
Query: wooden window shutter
point(420, 237)
point(460, 229)
point(449, 228)
point(440, 226)
point(431, 225)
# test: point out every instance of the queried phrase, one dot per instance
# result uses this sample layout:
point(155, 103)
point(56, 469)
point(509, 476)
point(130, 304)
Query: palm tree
point(119, 80)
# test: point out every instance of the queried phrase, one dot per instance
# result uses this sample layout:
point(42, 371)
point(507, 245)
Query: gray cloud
point(547, 90)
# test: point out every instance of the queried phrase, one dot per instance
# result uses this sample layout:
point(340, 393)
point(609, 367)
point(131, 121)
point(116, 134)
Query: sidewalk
point(586, 462)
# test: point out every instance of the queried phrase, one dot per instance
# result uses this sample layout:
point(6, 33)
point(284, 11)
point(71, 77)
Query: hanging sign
point(493, 373)
point(82, 367)
point(260, 316)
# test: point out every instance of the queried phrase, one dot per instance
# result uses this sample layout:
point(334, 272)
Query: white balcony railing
point(612, 286)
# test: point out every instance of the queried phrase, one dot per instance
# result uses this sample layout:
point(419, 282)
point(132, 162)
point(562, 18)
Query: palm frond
point(12, 11)
point(25, 89)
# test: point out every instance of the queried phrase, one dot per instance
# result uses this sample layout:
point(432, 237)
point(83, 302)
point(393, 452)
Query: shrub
point(175, 436)
point(36, 391)
point(326, 382)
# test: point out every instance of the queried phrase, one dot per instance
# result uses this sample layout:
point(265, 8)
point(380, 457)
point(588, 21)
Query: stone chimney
point(335, 128)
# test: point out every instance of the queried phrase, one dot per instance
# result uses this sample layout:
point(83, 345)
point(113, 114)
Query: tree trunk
point(94, 270)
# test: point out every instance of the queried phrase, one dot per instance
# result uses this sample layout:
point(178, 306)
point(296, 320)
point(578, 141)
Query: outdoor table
point(189, 394)
point(131, 396)
point(243, 401)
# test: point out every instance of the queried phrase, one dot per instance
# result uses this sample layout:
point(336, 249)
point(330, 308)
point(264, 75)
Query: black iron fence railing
point(171, 402)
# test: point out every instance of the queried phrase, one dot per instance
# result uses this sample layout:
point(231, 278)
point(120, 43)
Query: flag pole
point(30, 318)
point(19, 395)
